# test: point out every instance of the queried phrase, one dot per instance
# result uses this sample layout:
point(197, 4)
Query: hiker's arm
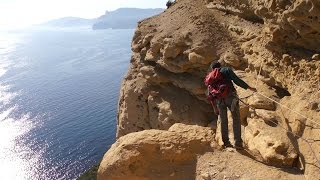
point(237, 80)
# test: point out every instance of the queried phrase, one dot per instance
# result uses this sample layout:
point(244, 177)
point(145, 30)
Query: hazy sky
point(19, 13)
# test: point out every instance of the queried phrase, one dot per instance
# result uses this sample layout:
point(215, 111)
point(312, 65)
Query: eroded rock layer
point(273, 45)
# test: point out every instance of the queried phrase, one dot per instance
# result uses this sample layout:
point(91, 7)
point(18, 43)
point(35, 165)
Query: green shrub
point(91, 174)
point(170, 3)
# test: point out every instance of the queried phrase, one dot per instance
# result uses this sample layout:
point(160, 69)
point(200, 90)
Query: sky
point(22, 13)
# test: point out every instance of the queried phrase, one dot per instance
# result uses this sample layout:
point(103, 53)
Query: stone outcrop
point(182, 152)
point(273, 45)
point(269, 142)
point(157, 154)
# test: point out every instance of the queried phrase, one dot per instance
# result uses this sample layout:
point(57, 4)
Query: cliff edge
point(273, 45)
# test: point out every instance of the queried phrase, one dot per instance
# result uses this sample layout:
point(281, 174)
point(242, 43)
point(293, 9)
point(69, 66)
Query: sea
point(59, 89)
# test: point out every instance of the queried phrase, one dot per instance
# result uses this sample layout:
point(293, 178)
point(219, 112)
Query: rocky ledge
point(166, 128)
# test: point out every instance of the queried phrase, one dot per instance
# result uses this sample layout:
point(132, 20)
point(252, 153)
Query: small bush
point(91, 174)
point(170, 3)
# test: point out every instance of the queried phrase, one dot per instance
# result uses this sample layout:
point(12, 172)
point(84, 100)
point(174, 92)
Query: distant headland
point(123, 18)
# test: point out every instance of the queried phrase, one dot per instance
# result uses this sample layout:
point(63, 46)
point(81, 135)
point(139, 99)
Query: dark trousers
point(232, 103)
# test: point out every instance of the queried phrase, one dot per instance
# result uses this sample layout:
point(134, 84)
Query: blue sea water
point(59, 90)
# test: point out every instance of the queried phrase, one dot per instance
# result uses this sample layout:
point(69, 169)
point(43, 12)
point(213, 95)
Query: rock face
point(295, 23)
point(273, 45)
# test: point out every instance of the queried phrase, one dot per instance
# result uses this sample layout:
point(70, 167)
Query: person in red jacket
point(229, 100)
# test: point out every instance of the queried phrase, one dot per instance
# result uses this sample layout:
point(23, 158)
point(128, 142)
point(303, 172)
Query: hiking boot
point(238, 147)
point(227, 146)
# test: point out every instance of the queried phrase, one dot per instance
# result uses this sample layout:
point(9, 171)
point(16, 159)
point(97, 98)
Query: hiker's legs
point(235, 112)
point(224, 122)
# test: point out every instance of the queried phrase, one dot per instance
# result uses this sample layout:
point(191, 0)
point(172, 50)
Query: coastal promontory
point(124, 18)
point(166, 128)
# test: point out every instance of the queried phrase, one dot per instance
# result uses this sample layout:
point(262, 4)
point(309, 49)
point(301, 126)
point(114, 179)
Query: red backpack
point(217, 85)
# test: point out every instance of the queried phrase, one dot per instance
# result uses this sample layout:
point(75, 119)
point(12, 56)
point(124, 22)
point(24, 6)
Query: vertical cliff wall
point(273, 45)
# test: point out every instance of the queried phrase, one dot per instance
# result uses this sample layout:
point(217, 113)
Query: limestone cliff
point(273, 45)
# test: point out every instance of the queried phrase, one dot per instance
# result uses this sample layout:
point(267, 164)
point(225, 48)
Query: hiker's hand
point(253, 89)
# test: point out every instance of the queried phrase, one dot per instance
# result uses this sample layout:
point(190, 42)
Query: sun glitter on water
point(15, 162)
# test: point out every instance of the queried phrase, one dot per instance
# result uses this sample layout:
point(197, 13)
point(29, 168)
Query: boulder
point(269, 144)
point(157, 154)
point(232, 59)
point(260, 102)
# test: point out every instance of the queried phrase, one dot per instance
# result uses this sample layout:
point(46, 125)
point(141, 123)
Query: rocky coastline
point(166, 129)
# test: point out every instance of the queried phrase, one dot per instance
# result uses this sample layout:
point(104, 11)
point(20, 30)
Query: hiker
point(223, 95)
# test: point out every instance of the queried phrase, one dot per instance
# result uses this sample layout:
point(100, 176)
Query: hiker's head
point(215, 64)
